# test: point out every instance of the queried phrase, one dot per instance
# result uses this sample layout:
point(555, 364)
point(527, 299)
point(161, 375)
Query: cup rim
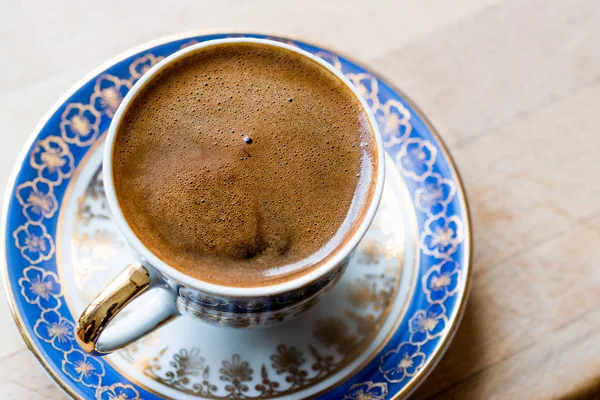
point(151, 259)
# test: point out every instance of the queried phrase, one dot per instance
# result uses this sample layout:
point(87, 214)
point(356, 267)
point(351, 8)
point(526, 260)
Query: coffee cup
point(171, 292)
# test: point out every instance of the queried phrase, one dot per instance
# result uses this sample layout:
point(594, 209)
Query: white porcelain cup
point(172, 292)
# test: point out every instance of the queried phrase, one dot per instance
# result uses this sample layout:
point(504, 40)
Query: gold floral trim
point(52, 159)
point(80, 124)
point(109, 91)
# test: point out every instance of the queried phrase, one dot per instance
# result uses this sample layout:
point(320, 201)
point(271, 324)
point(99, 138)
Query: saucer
point(376, 335)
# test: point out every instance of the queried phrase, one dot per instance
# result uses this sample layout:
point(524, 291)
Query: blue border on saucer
point(436, 303)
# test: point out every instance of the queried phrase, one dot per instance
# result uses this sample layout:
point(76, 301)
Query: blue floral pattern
point(109, 91)
point(394, 123)
point(37, 199)
point(402, 362)
point(34, 242)
point(118, 391)
point(442, 236)
point(416, 158)
point(428, 324)
point(367, 391)
point(83, 368)
point(442, 281)
point(56, 330)
point(368, 87)
point(65, 140)
point(434, 195)
point(40, 287)
point(80, 124)
point(53, 159)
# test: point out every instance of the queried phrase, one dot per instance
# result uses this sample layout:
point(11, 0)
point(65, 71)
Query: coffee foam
point(244, 164)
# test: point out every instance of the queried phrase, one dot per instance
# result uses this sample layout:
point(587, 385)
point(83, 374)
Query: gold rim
point(462, 300)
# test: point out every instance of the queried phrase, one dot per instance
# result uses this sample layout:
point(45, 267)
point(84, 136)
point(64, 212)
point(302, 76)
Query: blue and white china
point(376, 335)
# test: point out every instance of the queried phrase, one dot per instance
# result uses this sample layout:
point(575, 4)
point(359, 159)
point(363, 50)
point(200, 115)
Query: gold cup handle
point(92, 331)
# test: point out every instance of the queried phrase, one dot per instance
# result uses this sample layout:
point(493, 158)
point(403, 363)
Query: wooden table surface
point(512, 86)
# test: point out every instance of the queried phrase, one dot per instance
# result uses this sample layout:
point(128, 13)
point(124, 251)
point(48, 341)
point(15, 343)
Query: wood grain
point(512, 86)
